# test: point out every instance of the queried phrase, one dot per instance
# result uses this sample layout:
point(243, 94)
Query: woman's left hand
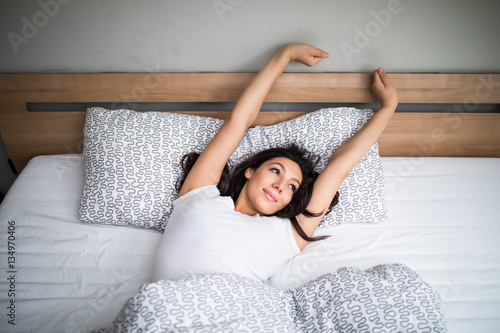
point(305, 54)
point(383, 89)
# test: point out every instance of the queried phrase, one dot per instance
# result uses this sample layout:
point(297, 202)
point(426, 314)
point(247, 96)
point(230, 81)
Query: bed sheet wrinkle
point(453, 249)
point(456, 237)
point(100, 268)
point(473, 312)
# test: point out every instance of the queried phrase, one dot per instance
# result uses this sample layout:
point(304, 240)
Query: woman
point(247, 232)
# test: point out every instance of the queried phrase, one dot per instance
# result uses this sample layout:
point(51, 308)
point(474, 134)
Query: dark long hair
point(231, 183)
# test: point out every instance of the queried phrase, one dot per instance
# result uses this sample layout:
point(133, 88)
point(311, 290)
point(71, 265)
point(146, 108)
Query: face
point(270, 187)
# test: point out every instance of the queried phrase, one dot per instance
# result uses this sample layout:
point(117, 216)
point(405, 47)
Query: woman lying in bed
point(253, 221)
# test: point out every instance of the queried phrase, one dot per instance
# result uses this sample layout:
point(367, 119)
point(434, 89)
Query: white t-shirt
point(206, 235)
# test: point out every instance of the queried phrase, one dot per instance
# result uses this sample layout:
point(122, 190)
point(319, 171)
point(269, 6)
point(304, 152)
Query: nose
point(279, 185)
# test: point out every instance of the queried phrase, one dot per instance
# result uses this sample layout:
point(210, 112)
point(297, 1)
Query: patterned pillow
point(362, 194)
point(131, 162)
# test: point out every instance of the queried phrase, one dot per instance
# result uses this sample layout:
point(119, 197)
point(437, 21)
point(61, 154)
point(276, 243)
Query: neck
point(241, 205)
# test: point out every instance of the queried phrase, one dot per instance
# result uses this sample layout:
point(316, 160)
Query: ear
point(249, 172)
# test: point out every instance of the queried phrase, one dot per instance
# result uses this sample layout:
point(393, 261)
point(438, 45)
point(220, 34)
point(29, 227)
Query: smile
point(270, 196)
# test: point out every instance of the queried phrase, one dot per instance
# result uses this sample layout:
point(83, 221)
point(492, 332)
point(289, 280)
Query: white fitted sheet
point(71, 276)
point(444, 222)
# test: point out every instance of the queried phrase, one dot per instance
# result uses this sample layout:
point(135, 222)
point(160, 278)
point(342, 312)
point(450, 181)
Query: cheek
point(287, 198)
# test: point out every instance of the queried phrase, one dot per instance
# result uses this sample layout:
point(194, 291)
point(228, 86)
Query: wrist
point(388, 107)
point(392, 105)
point(285, 52)
point(280, 59)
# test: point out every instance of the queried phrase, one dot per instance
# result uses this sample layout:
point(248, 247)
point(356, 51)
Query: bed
point(440, 177)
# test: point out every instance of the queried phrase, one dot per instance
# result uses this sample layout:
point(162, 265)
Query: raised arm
point(349, 154)
point(208, 168)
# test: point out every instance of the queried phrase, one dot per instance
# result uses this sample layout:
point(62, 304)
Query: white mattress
point(71, 276)
point(444, 222)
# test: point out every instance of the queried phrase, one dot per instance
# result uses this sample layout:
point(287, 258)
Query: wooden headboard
point(27, 134)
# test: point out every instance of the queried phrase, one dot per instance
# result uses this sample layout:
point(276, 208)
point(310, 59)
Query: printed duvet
point(385, 298)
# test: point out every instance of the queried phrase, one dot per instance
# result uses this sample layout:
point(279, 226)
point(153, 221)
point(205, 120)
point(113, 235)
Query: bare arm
point(208, 168)
point(349, 154)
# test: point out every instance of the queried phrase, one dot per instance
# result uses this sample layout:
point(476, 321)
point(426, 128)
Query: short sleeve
point(208, 192)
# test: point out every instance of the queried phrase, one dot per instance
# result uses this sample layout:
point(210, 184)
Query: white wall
point(240, 35)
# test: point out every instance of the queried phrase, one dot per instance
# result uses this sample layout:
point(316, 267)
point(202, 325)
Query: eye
point(293, 187)
point(276, 171)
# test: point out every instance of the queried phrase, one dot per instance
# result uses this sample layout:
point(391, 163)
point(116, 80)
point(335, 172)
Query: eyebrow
point(283, 167)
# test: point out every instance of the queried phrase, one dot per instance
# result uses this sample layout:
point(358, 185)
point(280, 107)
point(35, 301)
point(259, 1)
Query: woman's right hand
point(383, 89)
point(305, 53)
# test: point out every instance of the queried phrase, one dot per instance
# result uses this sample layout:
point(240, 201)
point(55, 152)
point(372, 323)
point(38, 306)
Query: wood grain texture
point(227, 87)
point(28, 134)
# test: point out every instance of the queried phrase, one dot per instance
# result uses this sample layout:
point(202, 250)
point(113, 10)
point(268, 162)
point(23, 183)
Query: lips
point(270, 196)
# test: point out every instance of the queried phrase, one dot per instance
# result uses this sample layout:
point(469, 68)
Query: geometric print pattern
point(362, 193)
point(132, 162)
point(226, 303)
point(385, 298)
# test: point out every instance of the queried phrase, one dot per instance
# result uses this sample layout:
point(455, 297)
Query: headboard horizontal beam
point(227, 87)
point(28, 134)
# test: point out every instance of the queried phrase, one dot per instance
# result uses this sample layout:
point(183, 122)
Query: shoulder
point(204, 192)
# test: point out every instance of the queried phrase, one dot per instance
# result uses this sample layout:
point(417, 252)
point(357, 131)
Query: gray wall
point(240, 35)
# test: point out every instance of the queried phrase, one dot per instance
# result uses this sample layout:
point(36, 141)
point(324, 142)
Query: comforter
point(385, 298)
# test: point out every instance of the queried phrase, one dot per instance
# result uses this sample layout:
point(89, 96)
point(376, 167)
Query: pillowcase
point(362, 193)
point(132, 162)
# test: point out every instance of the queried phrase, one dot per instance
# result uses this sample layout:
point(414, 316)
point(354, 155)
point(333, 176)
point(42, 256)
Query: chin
point(269, 211)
